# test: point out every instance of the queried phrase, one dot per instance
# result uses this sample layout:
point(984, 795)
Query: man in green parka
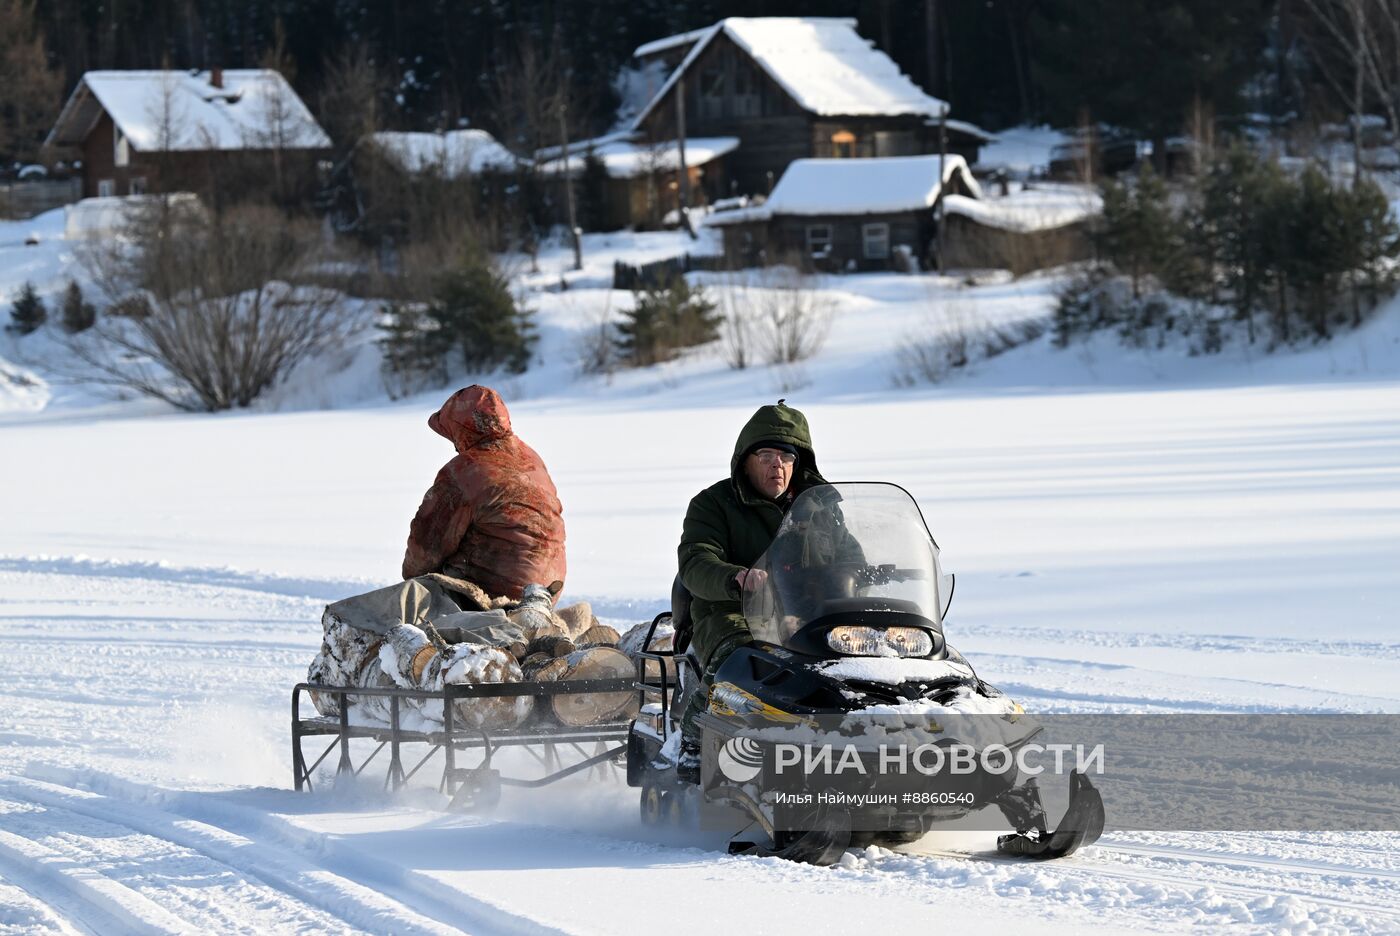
point(727, 528)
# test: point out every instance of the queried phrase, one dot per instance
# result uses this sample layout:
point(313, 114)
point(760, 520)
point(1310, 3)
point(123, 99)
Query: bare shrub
point(734, 302)
point(952, 338)
point(791, 318)
point(227, 301)
point(941, 346)
point(597, 343)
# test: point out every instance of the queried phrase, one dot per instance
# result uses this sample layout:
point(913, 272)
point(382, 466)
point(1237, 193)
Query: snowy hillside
point(1132, 531)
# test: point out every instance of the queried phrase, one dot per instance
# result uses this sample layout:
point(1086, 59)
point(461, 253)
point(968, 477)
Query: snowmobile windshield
point(851, 553)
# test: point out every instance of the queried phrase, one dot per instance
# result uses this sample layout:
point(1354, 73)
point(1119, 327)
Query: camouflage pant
point(700, 698)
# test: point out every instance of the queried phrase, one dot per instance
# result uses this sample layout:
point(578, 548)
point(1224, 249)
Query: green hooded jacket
point(729, 525)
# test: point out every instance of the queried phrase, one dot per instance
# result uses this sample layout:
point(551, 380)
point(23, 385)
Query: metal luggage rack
point(470, 787)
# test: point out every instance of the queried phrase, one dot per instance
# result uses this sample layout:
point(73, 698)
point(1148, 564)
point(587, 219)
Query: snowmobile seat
point(680, 615)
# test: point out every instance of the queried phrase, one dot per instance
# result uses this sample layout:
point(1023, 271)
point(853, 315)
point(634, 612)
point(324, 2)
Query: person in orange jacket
point(492, 516)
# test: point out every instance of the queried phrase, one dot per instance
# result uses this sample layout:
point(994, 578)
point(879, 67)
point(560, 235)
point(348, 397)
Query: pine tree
point(78, 314)
point(665, 319)
point(1376, 242)
point(1138, 227)
point(28, 311)
point(1241, 199)
point(476, 312)
point(412, 351)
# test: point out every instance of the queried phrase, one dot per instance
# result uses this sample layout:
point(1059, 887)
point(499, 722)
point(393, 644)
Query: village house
point(847, 214)
point(1040, 225)
point(737, 102)
point(793, 88)
point(151, 131)
point(879, 214)
point(398, 182)
point(638, 183)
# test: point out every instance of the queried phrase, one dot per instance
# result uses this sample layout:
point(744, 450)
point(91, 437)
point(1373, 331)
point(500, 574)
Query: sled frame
point(540, 739)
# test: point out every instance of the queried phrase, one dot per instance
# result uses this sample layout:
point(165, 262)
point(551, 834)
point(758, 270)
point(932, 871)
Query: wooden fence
point(20, 200)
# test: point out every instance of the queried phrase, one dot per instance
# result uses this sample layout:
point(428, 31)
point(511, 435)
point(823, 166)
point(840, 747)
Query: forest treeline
point(1143, 65)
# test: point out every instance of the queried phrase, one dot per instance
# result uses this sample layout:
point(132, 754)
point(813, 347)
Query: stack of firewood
point(528, 641)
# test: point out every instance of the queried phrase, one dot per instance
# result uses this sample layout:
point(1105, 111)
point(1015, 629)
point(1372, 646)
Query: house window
point(712, 92)
point(106, 188)
point(877, 240)
point(138, 185)
point(843, 144)
point(121, 151)
point(747, 102)
point(819, 240)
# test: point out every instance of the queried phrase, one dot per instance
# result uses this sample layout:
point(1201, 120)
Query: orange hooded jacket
point(492, 515)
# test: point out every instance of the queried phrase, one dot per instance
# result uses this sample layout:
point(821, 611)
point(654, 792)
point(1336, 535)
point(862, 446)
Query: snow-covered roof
point(821, 62)
point(856, 186)
point(670, 42)
point(1041, 208)
point(254, 108)
point(963, 126)
point(626, 159)
point(454, 154)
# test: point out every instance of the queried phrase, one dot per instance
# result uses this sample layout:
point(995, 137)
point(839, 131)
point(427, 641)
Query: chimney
point(216, 77)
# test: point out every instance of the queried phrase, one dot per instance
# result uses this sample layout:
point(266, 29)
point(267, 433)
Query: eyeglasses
point(773, 456)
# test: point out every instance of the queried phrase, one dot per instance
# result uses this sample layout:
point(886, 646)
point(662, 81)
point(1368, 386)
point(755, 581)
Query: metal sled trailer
point(476, 787)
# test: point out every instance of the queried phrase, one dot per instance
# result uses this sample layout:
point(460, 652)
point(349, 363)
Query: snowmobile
point(848, 630)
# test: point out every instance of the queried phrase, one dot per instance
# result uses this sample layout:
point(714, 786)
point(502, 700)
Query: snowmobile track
point(365, 893)
point(1174, 868)
point(84, 897)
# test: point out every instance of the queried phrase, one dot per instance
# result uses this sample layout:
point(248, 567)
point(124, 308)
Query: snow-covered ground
point(1132, 531)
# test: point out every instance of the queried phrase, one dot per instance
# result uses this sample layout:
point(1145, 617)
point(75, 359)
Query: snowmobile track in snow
point(1174, 868)
point(361, 892)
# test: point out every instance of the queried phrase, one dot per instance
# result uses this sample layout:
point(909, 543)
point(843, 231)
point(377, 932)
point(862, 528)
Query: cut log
point(473, 664)
point(545, 668)
point(662, 640)
point(576, 618)
point(554, 646)
point(600, 635)
point(550, 629)
point(592, 708)
point(324, 670)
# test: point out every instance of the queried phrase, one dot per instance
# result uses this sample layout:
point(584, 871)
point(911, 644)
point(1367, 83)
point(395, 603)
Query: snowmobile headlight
point(880, 641)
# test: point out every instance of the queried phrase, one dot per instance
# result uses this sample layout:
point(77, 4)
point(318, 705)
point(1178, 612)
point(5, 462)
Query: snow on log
point(475, 664)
